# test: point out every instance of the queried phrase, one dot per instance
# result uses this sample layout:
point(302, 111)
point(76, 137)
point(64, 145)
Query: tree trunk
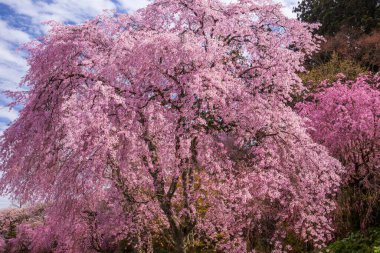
point(179, 241)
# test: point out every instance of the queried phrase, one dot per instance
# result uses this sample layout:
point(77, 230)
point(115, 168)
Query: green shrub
point(329, 70)
point(358, 242)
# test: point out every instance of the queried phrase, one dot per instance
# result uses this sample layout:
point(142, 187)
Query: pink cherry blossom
point(170, 121)
point(345, 117)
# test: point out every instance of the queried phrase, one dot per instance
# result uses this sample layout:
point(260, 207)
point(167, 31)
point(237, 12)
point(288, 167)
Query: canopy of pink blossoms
point(170, 121)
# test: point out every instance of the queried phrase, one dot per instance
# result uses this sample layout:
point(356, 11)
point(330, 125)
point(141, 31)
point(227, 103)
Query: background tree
point(17, 228)
point(351, 29)
point(170, 122)
point(334, 15)
point(345, 117)
point(331, 72)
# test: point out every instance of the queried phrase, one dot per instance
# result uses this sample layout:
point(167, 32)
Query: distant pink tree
point(171, 122)
point(345, 117)
point(18, 227)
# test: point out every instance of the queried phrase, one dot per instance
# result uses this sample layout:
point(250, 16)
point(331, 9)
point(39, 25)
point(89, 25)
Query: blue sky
point(20, 22)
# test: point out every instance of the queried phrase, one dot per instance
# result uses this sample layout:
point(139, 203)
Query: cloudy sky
point(20, 22)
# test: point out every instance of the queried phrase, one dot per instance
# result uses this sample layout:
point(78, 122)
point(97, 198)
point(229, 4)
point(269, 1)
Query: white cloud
point(288, 7)
point(6, 116)
point(10, 55)
point(12, 65)
point(12, 35)
point(133, 5)
point(7, 113)
point(3, 126)
point(5, 202)
point(59, 10)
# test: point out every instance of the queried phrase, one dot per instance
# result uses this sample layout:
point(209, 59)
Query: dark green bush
point(368, 242)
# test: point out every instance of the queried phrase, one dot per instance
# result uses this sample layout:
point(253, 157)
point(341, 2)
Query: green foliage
point(328, 71)
point(362, 15)
point(368, 242)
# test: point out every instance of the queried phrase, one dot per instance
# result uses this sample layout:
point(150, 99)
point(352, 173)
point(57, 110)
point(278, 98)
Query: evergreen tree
point(363, 15)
